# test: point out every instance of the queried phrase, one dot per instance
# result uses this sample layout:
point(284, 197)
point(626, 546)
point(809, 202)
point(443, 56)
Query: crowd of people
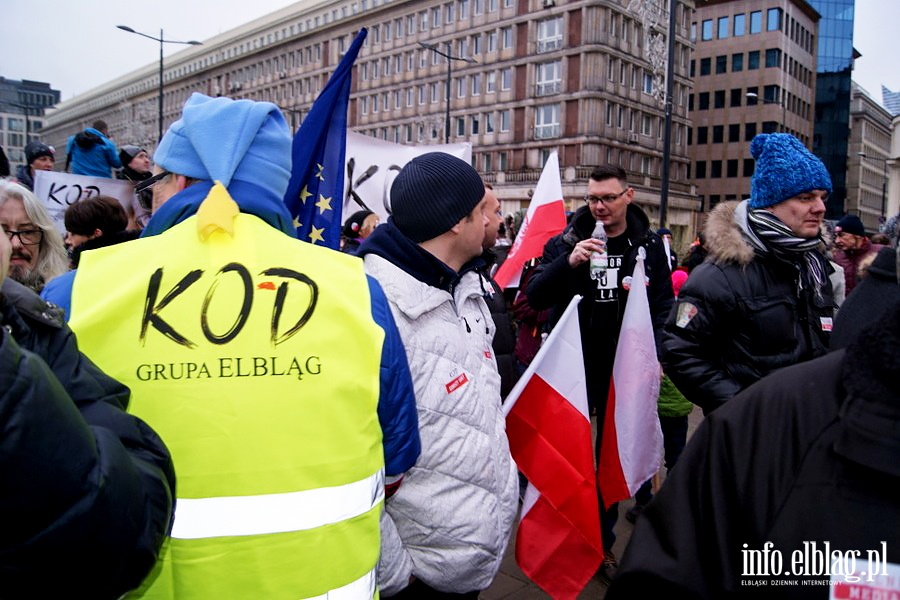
point(331, 423)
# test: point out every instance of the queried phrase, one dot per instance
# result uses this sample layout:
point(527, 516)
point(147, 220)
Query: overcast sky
point(74, 44)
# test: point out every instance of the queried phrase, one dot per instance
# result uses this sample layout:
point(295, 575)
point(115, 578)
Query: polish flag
point(545, 218)
point(632, 439)
point(558, 541)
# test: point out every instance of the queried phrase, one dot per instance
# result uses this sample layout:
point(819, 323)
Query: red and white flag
point(545, 218)
point(632, 439)
point(558, 542)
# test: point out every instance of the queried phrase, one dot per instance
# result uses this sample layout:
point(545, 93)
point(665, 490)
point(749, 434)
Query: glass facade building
point(832, 115)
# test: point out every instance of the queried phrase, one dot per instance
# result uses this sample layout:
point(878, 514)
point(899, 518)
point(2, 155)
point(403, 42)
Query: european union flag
point(315, 193)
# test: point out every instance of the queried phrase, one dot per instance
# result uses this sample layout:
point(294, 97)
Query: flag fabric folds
point(315, 192)
point(632, 443)
point(546, 216)
point(558, 542)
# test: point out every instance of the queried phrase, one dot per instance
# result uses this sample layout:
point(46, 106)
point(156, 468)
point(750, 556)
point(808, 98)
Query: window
point(700, 169)
point(721, 64)
point(364, 105)
point(769, 127)
point(753, 60)
point(739, 24)
point(737, 62)
point(707, 30)
point(749, 131)
point(434, 92)
point(421, 94)
point(773, 19)
point(705, 66)
point(748, 167)
point(486, 163)
point(549, 35)
point(478, 7)
point(375, 104)
point(476, 44)
point(770, 93)
point(703, 101)
point(463, 9)
point(489, 122)
point(475, 125)
point(719, 99)
point(460, 126)
point(506, 34)
point(448, 13)
point(548, 78)
point(491, 82)
point(773, 57)
point(734, 133)
point(731, 168)
point(436, 16)
point(718, 133)
point(504, 120)
point(502, 162)
point(492, 41)
point(647, 86)
point(694, 32)
point(715, 169)
point(722, 28)
point(476, 84)
point(546, 121)
point(703, 135)
point(755, 21)
point(646, 124)
point(461, 87)
point(506, 78)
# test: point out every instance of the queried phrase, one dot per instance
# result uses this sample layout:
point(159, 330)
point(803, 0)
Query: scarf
point(769, 233)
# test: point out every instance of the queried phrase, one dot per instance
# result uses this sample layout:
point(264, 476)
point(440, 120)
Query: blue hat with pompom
point(784, 169)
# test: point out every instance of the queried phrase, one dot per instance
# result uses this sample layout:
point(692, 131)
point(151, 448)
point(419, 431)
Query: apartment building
point(582, 77)
point(754, 71)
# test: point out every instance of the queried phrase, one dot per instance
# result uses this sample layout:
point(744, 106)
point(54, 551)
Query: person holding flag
point(563, 273)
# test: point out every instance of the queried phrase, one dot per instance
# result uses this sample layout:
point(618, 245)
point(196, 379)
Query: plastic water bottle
point(599, 260)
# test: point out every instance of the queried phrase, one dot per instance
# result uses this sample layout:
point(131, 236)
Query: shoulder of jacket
point(30, 306)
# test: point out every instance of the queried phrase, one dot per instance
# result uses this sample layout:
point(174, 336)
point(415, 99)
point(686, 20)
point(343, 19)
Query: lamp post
point(161, 39)
point(450, 58)
point(884, 162)
point(755, 97)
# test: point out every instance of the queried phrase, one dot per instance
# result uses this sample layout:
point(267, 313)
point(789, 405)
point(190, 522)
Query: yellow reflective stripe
point(364, 587)
point(197, 518)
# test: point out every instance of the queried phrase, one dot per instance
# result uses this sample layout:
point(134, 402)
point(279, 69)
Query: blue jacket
point(396, 405)
point(92, 153)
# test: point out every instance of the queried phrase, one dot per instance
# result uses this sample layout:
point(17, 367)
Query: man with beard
point(38, 254)
point(136, 168)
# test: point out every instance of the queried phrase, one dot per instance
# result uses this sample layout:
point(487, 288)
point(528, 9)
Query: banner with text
point(59, 190)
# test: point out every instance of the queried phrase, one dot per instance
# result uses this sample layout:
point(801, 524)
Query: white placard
point(59, 190)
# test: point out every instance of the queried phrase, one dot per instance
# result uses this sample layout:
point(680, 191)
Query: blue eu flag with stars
point(315, 192)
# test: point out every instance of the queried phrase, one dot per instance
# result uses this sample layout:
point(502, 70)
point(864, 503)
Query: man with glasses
point(563, 272)
point(38, 253)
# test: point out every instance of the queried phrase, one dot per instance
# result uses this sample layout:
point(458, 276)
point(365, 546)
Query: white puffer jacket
point(451, 519)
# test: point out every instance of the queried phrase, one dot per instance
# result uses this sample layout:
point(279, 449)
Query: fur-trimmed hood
point(727, 240)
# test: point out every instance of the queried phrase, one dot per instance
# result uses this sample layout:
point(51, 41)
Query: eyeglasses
point(149, 183)
point(29, 237)
point(607, 199)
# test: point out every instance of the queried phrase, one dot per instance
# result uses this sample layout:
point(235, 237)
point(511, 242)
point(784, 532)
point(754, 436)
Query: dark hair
point(100, 125)
point(99, 212)
point(604, 172)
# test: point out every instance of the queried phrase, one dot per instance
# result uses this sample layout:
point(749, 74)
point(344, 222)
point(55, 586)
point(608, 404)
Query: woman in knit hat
point(763, 299)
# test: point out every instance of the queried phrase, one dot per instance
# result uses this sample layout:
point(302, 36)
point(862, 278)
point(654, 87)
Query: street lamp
point(755, 97)
point(450, 58)
point(161, 39)
point(884, 162)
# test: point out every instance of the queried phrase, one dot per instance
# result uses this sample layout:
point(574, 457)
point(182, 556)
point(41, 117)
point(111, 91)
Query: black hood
point(582, 225)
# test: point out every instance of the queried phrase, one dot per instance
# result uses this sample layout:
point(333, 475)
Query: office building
point(869, 161)
point(22, 108)
point(754, 71)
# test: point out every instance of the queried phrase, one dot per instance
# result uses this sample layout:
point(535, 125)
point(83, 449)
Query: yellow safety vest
point(256, 359)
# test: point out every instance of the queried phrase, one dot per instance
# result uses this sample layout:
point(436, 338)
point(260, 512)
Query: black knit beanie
point(127, 154)
point(432, 193)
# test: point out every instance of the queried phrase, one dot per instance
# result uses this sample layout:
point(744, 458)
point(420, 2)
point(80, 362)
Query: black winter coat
point(504, 342)
point(740, 316)
point(807, 456)
point(86, 488)
point(554, 283)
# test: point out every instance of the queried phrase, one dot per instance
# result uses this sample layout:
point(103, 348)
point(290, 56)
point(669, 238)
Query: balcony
point(546, 132)
point(547, 88)
point(549, 45)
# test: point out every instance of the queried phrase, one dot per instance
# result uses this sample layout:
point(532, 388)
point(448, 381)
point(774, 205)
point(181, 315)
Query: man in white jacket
point(444, 533)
